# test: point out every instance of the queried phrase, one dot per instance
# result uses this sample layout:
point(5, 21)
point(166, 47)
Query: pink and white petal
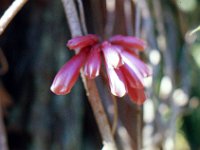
point(93, 63)
point(131, 77)
point(68, 74)
point(128, 41)
point(111, 55)
point(135, 64)
point(132, 52)
point(133, 68)
point(116, 81)
point(80, 42)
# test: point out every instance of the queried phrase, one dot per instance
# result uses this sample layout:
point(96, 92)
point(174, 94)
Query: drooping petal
point(128, 41)
point(137, 95)
point(132, 52)
point(93, 63)
point(111, 55)
point(68, 74)
point(116, 81)
point(131, 77)
point(82, 41)
point(136, 64)
point(120, 49)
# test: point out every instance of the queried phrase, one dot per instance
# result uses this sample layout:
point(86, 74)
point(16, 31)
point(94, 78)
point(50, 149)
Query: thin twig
point(82, 16)
point(137, 20)
point(148, 29)
point(114, 100)
point(99, 113)
point(90, 85)
point(115, 118)
point(110, 20)
point(10, 13)
point(128, 17)
point(170, 129)
point(72, 17)
point(194, 30)
point(138, 108)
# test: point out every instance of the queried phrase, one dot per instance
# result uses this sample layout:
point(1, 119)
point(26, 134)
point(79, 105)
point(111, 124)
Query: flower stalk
point(90, 85)
point(10, 13)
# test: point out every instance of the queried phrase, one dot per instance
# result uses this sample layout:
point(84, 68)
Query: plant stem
point(90, 85)
point(10, 13)
point(82, 16)
point(138, 108)
point(195, 30)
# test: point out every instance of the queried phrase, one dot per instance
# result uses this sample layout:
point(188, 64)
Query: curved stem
point(82, 16)
point(138, 108)
point(110, 20)
point(10, 14)
point(115, 118)
point(128, 17)
point(90, 85)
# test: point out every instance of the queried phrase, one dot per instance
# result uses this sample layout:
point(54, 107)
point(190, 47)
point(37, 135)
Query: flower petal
point(111, 55)
point(80, 42)
point(116, 81)
point(137, 95)
point(135, 64)
point(132, 52)
point(68, 74)
point(131, 77)
point(93, 63)
point(128, 41)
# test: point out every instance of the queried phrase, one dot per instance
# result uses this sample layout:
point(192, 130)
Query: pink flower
point(111, 54)
point(68, 74)
point(116, 81)
point(82, 41)
point(135, 88)
point(124, 68)
point(93, 63)
point(131, 77)
point(137, 95)
point(128, 42)
point(135, 64)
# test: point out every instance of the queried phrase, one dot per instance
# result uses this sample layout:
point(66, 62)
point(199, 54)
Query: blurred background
point(32, 49)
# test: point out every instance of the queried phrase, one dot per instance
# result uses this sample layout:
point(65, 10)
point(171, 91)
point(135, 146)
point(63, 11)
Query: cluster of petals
point(124, 68)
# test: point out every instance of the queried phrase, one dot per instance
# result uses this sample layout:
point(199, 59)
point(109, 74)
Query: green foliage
point(191, 127)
